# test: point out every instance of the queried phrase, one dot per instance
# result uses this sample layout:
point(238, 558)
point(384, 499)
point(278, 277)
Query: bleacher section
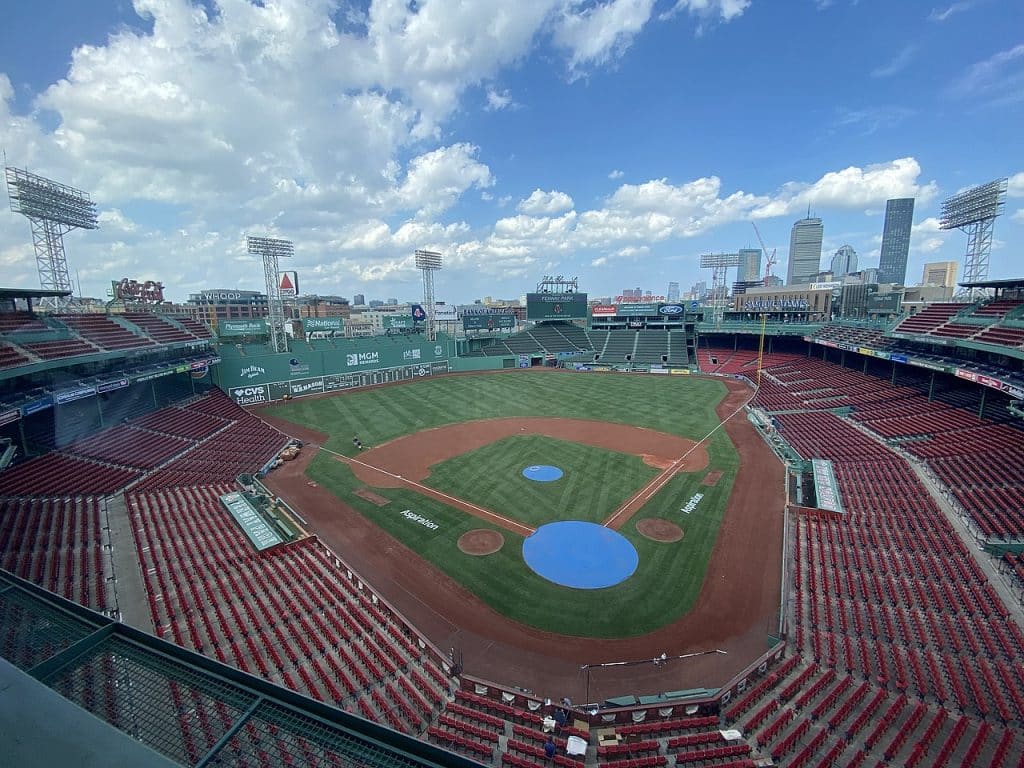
point(60, 348)
point(161, 329)
point(196, 328)
point(928, 319)
point(58, 543)
point(619, 345)
point(974, 457)
point(20, 321)
point(10, 357)
point(909, 662)
point(288, 614)
point(104, 332)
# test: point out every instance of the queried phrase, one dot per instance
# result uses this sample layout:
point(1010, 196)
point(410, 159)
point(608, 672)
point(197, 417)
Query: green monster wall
point(252, 378)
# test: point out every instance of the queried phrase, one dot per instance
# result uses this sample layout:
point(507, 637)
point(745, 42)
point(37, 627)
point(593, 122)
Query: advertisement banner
point(37, 405)
point(925, 364)
point(110, 386)
point(249, 395)
point(671, 310)
point(556, 306)
point(255, 327)
point(357, 359)
point(488, 322)
point(314, 324)
point(638, 309)
point(289, 284)
point(898, 358)
point(155, 375)
point(397, 321)
point(445, 313)
point(604, 310)
point(307, 387)
point(70, 395)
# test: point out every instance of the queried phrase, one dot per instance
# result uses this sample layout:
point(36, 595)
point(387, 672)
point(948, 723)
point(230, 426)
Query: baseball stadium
point(615, 536)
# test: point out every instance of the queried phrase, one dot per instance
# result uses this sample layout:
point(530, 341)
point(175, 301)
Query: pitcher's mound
point(657, 529)
point(481, 541)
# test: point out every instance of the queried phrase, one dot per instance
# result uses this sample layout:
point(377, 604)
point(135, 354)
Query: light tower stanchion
point(974, 212)
point(429, 262)
point(272, 250)
point(53, 210)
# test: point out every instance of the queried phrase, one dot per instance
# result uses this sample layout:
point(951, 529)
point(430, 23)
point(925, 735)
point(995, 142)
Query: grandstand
point(902, 645)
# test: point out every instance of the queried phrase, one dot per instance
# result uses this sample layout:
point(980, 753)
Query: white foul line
point(433, 491)
point(661, 480)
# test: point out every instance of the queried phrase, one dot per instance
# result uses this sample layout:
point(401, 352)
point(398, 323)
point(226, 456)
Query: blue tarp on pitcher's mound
point(581, 555)
point(542, 473)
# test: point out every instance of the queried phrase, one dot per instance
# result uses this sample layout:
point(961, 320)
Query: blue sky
point(615, 140)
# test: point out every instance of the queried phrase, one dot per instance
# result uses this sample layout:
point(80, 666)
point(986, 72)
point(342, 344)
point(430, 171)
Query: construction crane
point(769, 259)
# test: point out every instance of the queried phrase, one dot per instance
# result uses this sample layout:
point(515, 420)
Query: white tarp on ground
point(731, 734)
point(575, 746)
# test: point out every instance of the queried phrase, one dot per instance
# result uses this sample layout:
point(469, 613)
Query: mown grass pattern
point(669, 577)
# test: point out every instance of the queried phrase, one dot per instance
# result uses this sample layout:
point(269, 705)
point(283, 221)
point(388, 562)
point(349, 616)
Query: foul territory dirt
point(736, 610)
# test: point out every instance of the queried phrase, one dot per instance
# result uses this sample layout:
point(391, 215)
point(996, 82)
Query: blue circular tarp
point(581, 555)
point(542, 473)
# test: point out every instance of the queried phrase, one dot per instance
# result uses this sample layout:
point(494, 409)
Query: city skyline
point(517, 141)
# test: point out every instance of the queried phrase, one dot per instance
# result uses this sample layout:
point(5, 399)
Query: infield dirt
point(735, 612)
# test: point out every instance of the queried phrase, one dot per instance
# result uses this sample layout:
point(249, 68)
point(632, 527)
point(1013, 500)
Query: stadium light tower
point(53, 210)
point(429, 262)
point(974, 212)
point(272, 249)
point(719, 264)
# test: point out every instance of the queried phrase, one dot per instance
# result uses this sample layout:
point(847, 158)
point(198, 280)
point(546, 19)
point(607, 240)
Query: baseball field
point(441, 471)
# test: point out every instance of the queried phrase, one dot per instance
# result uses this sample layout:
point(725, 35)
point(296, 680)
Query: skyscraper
point(844, 261)
point(892, 262)
point(750, 265)
point(804, 251)
point(673, 292)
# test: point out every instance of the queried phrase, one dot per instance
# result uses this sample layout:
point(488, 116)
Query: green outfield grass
point(492, 477)
point(679, 405)
point(669, 576)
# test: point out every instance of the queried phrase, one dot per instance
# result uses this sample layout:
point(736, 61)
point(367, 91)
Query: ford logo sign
point(670, 309)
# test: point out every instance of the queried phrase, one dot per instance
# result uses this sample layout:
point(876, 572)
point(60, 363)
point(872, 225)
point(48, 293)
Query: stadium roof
point(1010, 282)
point(179, 707)
point(29, 293)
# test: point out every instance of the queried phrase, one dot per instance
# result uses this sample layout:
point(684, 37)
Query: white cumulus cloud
point(545, 203)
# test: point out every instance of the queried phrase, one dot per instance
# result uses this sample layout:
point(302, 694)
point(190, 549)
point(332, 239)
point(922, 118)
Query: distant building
point(940, 273)
point(392, 302)
point(359, 300)
point(673, 292)
point(792, 302)
point(892, 262)
point(773, 281)
point(750, 265)
point(375, 303)
point(227, 304)
point(804, 251)
point(844, 262)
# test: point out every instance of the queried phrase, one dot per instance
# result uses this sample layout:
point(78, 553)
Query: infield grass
point(492, 476)
point(669, 577)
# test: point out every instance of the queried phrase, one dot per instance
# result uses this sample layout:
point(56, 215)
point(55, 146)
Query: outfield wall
point(253, 379)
